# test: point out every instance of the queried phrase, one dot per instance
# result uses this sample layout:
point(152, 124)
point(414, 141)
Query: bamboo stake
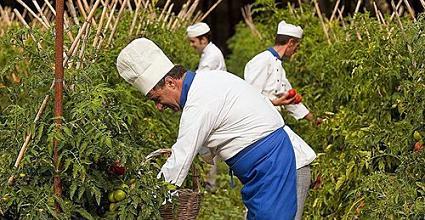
point(210, 10)
point(136, 13)
point(197, 17)
point(81, 6)
point(129, 6)
point(341, 17)
point(28, 137)
point(164, 10)
point(191, 10)
point(411, 11)
point(86, 5)
point(116, 23)
point(301, 7)
point(73, 12)
point(41, 13)
point(32, 13)
point(167, 15)
point(398, 18)
point(80, 32)
point(99, 27)
point(83, 46)
point(111, 15)
point(423, 3)
point(183, 9)
point(142, 22)
point(377, 13)
point(67, 27)
point(335, 10)
point(319, 13)
point(359, 2)
point(395, 8)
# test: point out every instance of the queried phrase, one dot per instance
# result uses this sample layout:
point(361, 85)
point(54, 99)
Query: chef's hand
point(282, 99)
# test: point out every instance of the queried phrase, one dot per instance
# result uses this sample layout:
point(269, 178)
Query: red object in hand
point(117, 168)
point(418, 146)
point(298, 99)
point(291, 93)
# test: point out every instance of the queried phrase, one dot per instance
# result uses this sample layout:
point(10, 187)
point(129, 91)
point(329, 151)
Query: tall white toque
point(289, 30)
point(143, 64)
point(197, 29)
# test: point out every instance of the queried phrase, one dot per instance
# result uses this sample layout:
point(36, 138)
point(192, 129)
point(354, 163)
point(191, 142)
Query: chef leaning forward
point(226, 115)
point(199, 36)
point(265, 73)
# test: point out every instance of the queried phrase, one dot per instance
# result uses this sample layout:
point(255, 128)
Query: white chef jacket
point(265, 73)
point(222, 113)
point(211, 59)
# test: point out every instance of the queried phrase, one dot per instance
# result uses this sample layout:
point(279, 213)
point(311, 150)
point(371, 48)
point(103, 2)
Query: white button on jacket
point(222, 113)
point(211, 59)
point(266, 74)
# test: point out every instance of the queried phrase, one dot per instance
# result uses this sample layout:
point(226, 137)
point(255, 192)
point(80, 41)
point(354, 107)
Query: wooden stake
point(136, 13)
point(211, 9)
point(319, 13)
point(32, 13)
point(167, 15)
point(83, 46)
point(73, 12)
point(423, 3)
point(116, 23)
point(163, 12)
point(335, 10)
point(359, 2)
point(81, 31)
point(377, 13)
point(41, 12)
point(395, 8)
point(411, 11)
point(301, 7)
point(99, 27)
point(28, 136)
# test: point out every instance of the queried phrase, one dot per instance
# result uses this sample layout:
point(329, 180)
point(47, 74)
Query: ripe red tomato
point(117, 168)
point(418, 146)
point(291, 93)
point(298, 99)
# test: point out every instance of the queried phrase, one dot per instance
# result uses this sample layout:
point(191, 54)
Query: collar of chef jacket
point(187, 82)
point(274, 52)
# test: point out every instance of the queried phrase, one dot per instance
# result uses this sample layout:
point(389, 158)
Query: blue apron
point(267, 170)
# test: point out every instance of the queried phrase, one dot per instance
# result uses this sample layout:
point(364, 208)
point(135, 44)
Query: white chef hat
point(197, 29)
point(289, 30)
point(143, 64)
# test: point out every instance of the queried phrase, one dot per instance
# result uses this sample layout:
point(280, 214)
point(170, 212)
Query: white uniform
point(222, 113)
point(211, 59)
point(265, 73)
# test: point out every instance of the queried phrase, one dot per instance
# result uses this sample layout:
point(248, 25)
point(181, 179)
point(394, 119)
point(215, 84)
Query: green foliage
point(371, 93)
point(105, 120)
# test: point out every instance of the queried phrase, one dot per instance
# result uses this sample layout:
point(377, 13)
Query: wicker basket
point(187, 202)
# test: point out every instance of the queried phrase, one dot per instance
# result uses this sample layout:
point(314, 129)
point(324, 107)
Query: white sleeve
point(196, 125)
point(298, 111)
point(208, 63)
point(256, 73)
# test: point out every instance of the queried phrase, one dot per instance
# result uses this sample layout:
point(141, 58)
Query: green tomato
point(417, 136)
point(112, 207)
point(111, 197)
point(119, 195)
